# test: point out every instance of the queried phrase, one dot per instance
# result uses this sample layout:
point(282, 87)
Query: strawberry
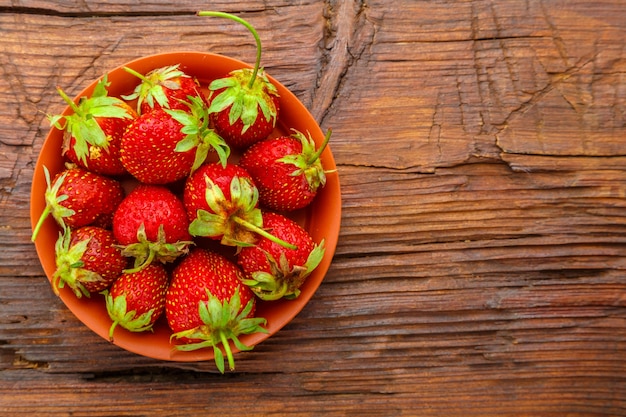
point(274, 271)
point(287, 170)
point(244, 105)
point(166, 87)
point(221, 202)
point(207, 305)
point(239, 129)
point(151, 224)
point(77, 198)
point(87, 260)
point(148, 149)
point(93, 132)
point(158, 147)
point(136, 300)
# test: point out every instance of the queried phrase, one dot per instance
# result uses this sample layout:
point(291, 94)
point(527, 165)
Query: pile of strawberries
point(158, 215)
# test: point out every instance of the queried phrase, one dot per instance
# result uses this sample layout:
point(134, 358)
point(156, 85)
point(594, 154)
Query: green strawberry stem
point(44, 215)
point(69, 101)
point(137, 74)
point(263, 233)
point(318, 153)
point(142, 264)
point(251, 29)
point(112, 329)
point(227, 349)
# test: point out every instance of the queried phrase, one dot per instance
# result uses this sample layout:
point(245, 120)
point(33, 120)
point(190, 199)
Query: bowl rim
point(151, 345)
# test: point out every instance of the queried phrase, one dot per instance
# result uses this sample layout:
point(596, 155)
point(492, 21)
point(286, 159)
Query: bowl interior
point(321, 218)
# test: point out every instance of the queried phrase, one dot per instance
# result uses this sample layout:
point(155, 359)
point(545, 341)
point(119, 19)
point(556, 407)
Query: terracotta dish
point(321, 219)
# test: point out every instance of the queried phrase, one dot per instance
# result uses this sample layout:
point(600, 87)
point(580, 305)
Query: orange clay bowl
point(321, 218)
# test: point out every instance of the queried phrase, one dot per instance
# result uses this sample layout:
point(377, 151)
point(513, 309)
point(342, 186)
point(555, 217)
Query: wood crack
point(348, 33)
point(90, 14)
point(537, 96)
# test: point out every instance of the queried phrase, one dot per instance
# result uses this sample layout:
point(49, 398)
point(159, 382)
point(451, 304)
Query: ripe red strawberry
point(274, 271)
point(151, 224)
point(287, 170)
point(93, 131)
point(194, 196)
point(207, 305)
point(165, 87)
point(158, 147)
point(221, 203)
point(136, 300)
point(239, 129)
point(148, 149)
point(77, 198)
point(87, 260)
point(244, 105)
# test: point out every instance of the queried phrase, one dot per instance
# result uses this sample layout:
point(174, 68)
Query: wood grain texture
point(481, 147)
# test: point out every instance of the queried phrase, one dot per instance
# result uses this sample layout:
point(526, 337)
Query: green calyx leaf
point(226, 216)
point(284, 280)
point(53, 203)
point(198, 134)
point(117, 309)
point(69, 265)
point(238, 220)
point(151, 87)
point(308, 162)
point(223, 322)
point(82, 124)
point(244, 99)
point(145, 251)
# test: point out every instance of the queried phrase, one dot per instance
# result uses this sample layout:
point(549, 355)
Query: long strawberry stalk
point(248, 26)
point(262, 232)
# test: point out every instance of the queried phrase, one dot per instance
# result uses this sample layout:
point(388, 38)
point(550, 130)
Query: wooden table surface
point(480, 270)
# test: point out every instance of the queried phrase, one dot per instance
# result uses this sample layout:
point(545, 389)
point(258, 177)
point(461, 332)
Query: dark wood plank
point(480, 268)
